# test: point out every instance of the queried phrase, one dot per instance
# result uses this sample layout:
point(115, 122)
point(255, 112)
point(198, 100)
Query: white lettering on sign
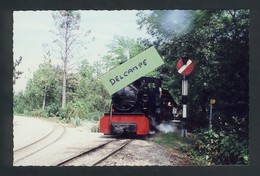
point(184, 66)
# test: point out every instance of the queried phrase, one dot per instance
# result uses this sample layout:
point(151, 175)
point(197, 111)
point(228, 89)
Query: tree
point(68, 41)
point(122, 49)
point(87, 96)
point(42, 87)
point(16, 73)
point(218, 42)
point(19, 105)
point(90, 89)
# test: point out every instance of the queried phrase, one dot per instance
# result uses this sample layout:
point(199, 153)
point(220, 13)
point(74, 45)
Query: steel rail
point(38, 140)
point(112, 153)
point(89, 151)
point(41, 148)
point(81, 154)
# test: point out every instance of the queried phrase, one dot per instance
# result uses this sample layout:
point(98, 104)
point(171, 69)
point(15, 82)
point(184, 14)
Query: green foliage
point(88, 98)
point(90, 89)
point(19, 105)
point(17, 73)
point(71, 45)
point(43, 88)
point(53, 110)
point(209, 147)
point(37, 113)
point(222, 147)
point(95, 128)
point(173, 140)
point(122, 49)
point(76, 121)
point(62, 114)
point(95, 115)
point(217, 41)
point(183, 145)
point(76, 112)
point(76, 109)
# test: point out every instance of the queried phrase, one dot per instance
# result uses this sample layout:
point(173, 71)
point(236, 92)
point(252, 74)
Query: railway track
point(96, 155)
point(32, 148)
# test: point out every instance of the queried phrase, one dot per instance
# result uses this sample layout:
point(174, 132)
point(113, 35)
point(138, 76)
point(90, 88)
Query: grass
point(181, 145)
point(174, 141)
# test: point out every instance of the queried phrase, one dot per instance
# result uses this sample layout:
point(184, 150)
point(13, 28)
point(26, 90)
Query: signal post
point(212, 101)
point(184, 66)
point(184, 106)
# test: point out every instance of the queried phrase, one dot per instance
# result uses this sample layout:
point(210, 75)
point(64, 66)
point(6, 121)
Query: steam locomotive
point(138, 108)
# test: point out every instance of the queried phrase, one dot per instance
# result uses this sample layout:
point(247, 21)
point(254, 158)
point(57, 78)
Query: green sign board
point(131, 70)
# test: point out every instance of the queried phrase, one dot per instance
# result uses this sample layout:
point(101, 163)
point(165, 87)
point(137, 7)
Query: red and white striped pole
point(184, 66)
point(184, 106)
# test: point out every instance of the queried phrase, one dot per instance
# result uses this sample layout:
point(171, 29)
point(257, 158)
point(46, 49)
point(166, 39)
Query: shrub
point(74, 112)
point(37, 113)
point(222, 147)
point(18, 109)
point(62, 113)
point(53, 110)
point(95, 116)
point(95, 128)
point(75, 121)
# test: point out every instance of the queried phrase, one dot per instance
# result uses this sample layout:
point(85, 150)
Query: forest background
point(217, 41)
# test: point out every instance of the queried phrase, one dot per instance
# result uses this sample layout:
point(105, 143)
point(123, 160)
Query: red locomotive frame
point(138, 123)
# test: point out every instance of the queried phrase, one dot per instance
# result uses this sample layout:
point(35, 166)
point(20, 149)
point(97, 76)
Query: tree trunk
point(44, 98)
point(64, 89)
point(65, 61)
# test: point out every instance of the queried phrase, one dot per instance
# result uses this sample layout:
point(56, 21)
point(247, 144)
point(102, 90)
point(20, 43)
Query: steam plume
point(166, 127)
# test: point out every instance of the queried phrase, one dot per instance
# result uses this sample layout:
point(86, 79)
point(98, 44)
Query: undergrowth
point(183, 145)
point(208, 147)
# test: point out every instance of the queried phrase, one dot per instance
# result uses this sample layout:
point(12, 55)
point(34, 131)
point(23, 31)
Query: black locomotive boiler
point(138, 108)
